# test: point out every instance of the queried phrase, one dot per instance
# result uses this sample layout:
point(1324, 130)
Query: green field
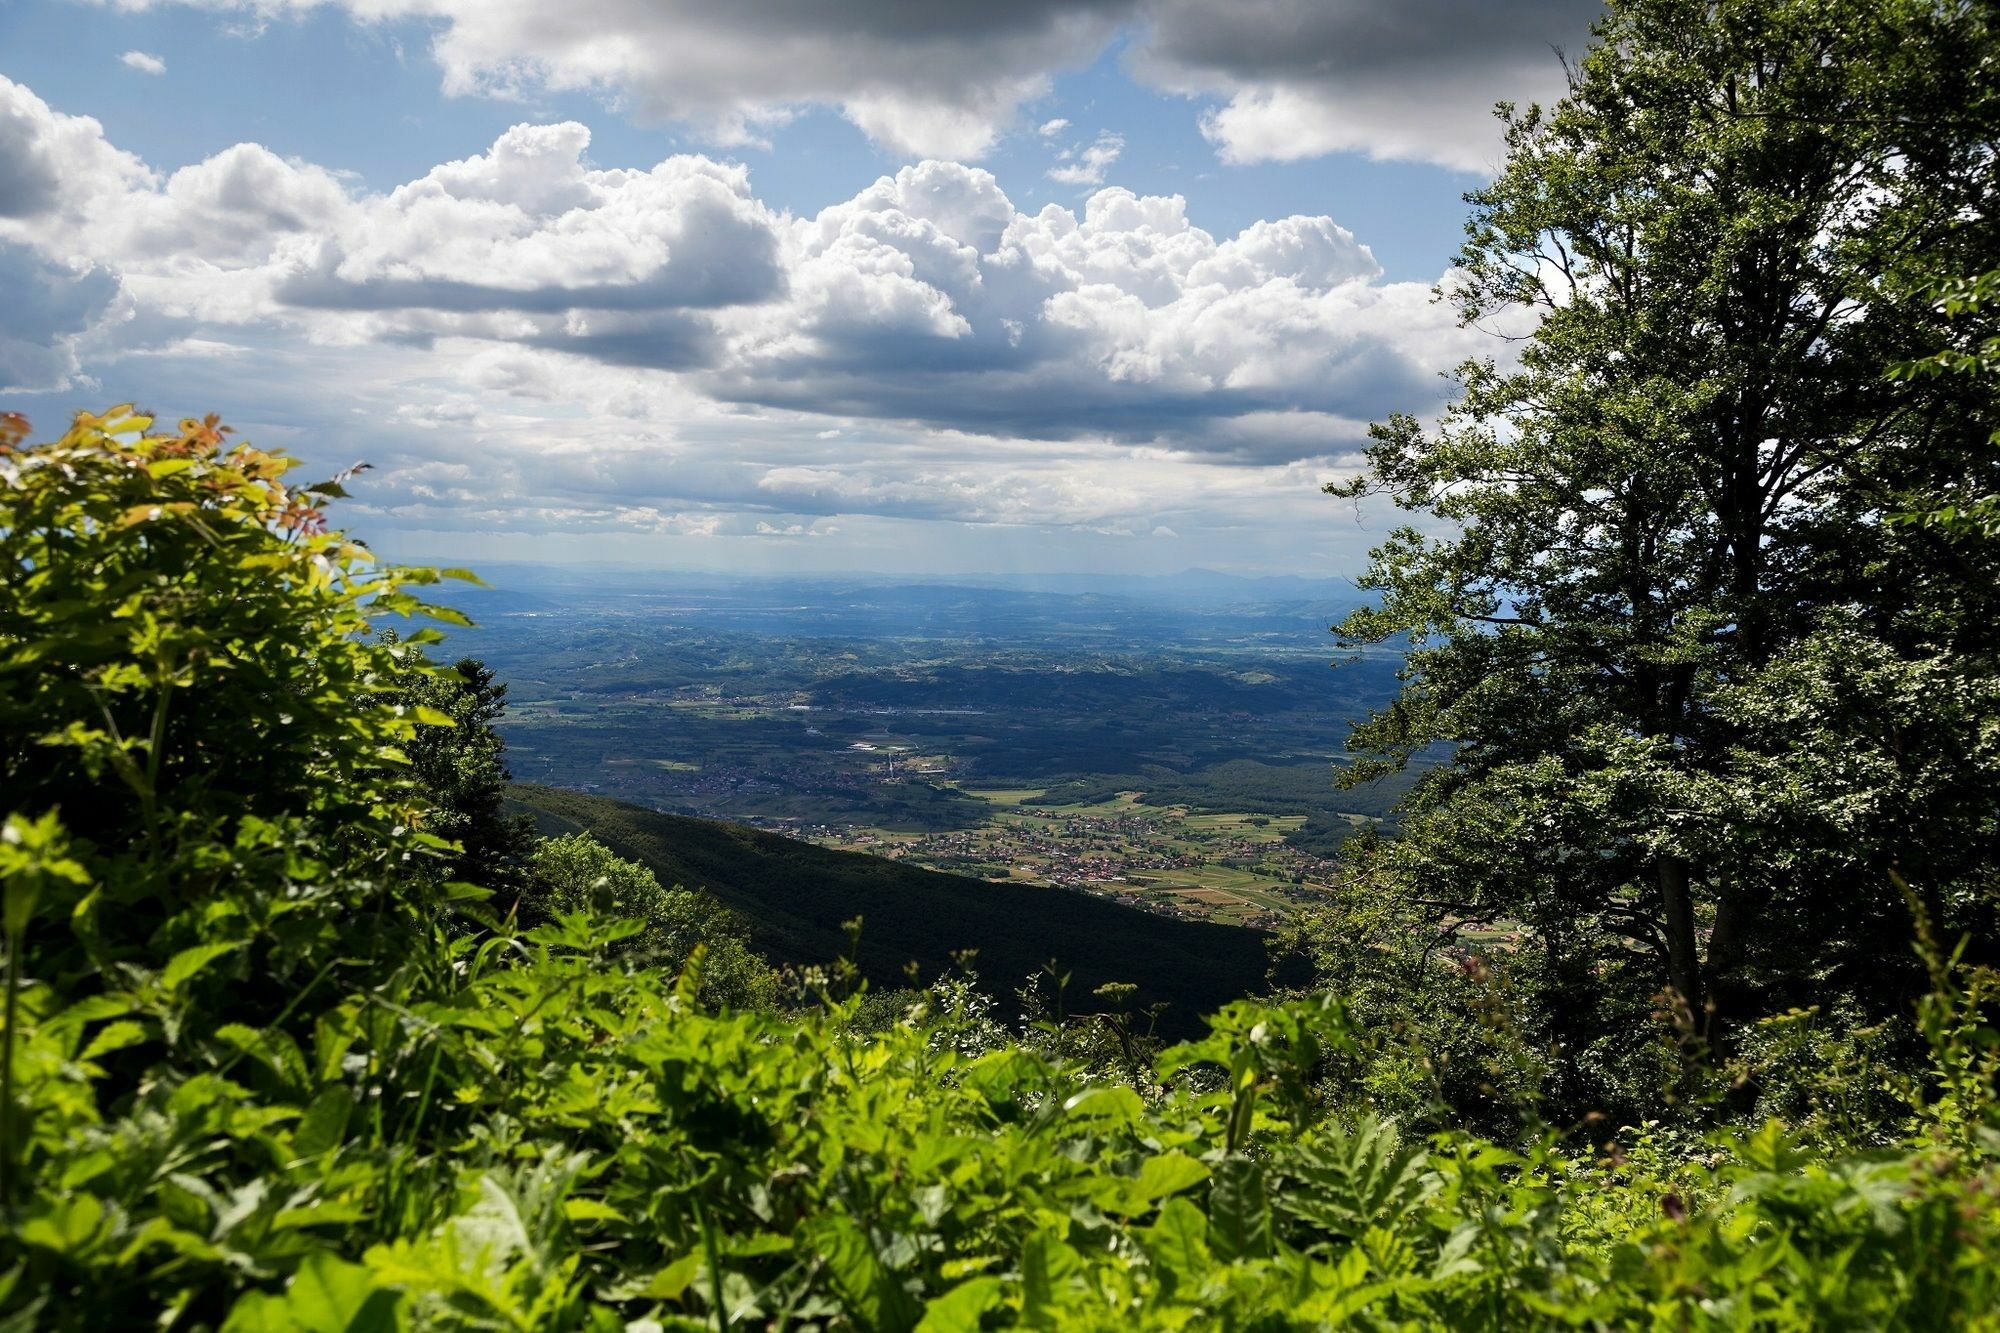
point(1231, 867)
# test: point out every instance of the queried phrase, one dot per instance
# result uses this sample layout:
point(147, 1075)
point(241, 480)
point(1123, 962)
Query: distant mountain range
point(1196, 607)
point(1196, 586)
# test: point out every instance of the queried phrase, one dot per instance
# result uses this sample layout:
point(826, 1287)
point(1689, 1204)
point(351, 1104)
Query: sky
point(769, 285)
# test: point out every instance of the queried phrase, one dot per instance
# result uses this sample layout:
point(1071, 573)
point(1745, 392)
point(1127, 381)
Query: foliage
point(487, 1128)
point(1704, 696)
point(578, 874)
point(1967, 510)
point(186, 694)
point(796, 899)
point(463, 772)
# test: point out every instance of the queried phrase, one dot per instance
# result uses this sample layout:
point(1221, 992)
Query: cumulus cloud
point(929, 298)
point(1414, 80)
point(529, 243)
point(144, 63)
point(541, 341)
point(57, 171)
point(1088, 165)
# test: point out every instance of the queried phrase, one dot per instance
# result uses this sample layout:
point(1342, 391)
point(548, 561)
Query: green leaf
point(871, 1292)
point(959, 1310)
point(671, 1281)
point(1106, 1102)
point(1239, 1211)
point(90, 1009)
point(68, 1226)
point(324, 1125)
point(273, 1049)
point(185, 964)
point(1045, 1262)
point(114, 1037)
point(1179, 1240)
point(448, 614)
point(1169, 1173)
point(326, 1295)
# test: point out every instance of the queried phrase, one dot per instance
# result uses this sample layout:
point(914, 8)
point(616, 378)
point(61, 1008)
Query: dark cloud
point(1396, 78)
point(757, 279)
point(918, 75)
point(1439, 45)
point(29, 183)
point(1414, 79)
point(47, 307)
point(670, 341)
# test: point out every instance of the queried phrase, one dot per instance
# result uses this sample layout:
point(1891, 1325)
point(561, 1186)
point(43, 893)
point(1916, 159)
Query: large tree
point(1657, 553)
point(462, 769)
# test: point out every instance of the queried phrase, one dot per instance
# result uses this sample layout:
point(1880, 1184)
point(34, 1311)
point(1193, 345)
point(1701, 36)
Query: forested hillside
point(795, 900)
point(1670, 1004)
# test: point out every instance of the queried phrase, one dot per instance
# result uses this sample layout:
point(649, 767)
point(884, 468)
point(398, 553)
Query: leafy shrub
point(578, 874)
point(279, 1088)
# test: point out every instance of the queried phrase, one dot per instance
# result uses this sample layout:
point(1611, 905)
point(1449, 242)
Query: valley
point(1171, 747)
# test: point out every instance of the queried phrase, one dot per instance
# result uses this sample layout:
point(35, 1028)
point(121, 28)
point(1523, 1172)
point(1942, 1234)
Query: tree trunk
point(1734, 909)
point(1683, 959)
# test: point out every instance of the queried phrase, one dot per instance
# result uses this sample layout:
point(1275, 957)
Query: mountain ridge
point(794, 897)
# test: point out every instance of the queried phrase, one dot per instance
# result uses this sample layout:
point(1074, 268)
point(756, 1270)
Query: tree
point(462, 770)
point(210, 831)
point(1716, 245)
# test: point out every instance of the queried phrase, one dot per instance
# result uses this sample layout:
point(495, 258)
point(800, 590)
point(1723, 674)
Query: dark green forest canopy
point(796, 898)
point(1714, 710)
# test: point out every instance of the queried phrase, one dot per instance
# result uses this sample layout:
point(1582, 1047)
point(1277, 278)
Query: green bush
point(578, 874)
point(268, 1068)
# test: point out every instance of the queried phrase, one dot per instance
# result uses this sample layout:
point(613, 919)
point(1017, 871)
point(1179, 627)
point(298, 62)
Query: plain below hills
point(795, 898)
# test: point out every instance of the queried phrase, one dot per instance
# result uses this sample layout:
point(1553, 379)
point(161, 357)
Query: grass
point(1005, 796)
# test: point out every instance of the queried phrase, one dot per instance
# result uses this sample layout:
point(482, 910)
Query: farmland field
point(1181, 756)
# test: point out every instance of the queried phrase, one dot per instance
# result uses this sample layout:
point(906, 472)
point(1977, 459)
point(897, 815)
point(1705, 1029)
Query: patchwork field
point(1231, 867)
point(1183, 761)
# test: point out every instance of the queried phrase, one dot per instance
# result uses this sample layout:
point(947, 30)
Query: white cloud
point(942, 80)
point(525, 339)
point(1088, 166)
point(929, 299)
point(1049, 129)
point(145, 64)
point(57, 172)
point(1414, 80)
point(530, 243)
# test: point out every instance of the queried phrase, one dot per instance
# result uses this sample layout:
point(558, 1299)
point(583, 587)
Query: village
point(1228, 867)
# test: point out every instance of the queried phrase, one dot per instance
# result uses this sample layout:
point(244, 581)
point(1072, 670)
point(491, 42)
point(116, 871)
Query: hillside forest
point(1665, 1000)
